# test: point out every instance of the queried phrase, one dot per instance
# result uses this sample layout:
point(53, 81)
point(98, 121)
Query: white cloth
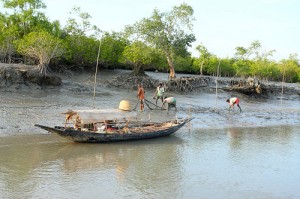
point(170, 100)
point(232, 101)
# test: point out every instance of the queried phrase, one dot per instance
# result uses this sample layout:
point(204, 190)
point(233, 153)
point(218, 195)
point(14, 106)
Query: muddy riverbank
point(17, 76)
point(22, 108)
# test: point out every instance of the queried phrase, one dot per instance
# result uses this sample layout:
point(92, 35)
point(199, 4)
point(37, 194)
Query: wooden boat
point(114, 130)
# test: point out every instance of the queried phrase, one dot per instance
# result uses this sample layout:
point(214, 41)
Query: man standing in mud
point(159, 93)
point(141, 96)
point(232, 101)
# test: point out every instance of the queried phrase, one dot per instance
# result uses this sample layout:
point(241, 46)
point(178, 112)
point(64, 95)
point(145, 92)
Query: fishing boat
point(96, 126)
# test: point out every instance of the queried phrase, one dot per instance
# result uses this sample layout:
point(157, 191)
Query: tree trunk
point(43, 68)
point(138, 70)
point(171, 66)
point(201, 73)
point(9, 51)
point(9, 59)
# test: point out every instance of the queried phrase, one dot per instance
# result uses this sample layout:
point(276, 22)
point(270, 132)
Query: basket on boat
point(125, 105)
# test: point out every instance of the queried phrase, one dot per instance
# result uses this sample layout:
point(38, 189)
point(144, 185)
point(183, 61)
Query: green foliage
point(204, 54)
point(26, 15)
point(167, 32)
point(80, 24)
point(209, 65)
point(241, 53)
point(41, 46)
point(159, 61)
point(160, 42)
point(54, 28)
point(242, 67)
point(184, 64)
point(82, 50)
point(290, 69)
point(7, 36)
point(24, 19)
point(140, 55)
point(112, 47)
point(226, 67)
point(212, 66)
point(204, 57)
point(264, 69)
point(259, 66)
point(24, 5)
point(254, 51)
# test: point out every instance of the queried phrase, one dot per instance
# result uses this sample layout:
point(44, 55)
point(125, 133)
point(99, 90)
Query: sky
point(221, 25)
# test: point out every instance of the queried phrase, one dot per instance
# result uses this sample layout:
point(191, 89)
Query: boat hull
point(92, 137)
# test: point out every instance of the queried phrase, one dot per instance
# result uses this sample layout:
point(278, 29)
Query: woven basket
point(125, 105)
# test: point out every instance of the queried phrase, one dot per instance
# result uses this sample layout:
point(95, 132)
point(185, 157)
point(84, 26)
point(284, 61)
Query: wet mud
point(21, 109)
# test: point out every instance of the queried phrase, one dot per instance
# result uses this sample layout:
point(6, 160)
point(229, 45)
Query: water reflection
point(200, 163)
point(263, 134)
point(27, 159)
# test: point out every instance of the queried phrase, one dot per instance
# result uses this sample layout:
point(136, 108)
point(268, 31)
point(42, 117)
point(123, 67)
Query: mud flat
point(24, 105)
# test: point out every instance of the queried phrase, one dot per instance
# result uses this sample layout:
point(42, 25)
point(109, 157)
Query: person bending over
point(171, 101)
point(232, 101)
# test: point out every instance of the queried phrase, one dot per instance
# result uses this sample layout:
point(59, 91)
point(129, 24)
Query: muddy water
point(220, 154)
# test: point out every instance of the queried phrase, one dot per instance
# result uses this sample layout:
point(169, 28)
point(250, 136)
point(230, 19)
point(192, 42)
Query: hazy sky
point(221, 25)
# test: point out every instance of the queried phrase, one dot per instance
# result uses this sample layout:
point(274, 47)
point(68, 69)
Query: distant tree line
point(159, 42)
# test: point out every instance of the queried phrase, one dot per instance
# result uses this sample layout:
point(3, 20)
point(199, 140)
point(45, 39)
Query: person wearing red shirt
point(141, 96)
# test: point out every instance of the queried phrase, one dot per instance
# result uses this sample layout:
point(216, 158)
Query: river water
point(220, 154)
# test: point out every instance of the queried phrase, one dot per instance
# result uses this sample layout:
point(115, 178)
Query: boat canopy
point(99, 115)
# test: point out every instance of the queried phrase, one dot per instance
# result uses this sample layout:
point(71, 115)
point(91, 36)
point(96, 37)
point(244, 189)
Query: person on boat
point(68, 118)
point(159, 93)
point(110, 128)
point(77, 123)
point(232, 101)
point(141, 96)
point(95, 126)
point(103, 127)
point(107, 128)
point(171, 101)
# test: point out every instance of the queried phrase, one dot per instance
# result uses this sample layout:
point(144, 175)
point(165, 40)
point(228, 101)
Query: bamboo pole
point(218, 69)
point(96, 71)
point(282, 89)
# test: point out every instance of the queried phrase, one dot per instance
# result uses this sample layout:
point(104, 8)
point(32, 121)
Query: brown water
point(220, 154)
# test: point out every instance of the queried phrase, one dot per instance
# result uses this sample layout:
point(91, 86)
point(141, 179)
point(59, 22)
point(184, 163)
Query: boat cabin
point(97, 120)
